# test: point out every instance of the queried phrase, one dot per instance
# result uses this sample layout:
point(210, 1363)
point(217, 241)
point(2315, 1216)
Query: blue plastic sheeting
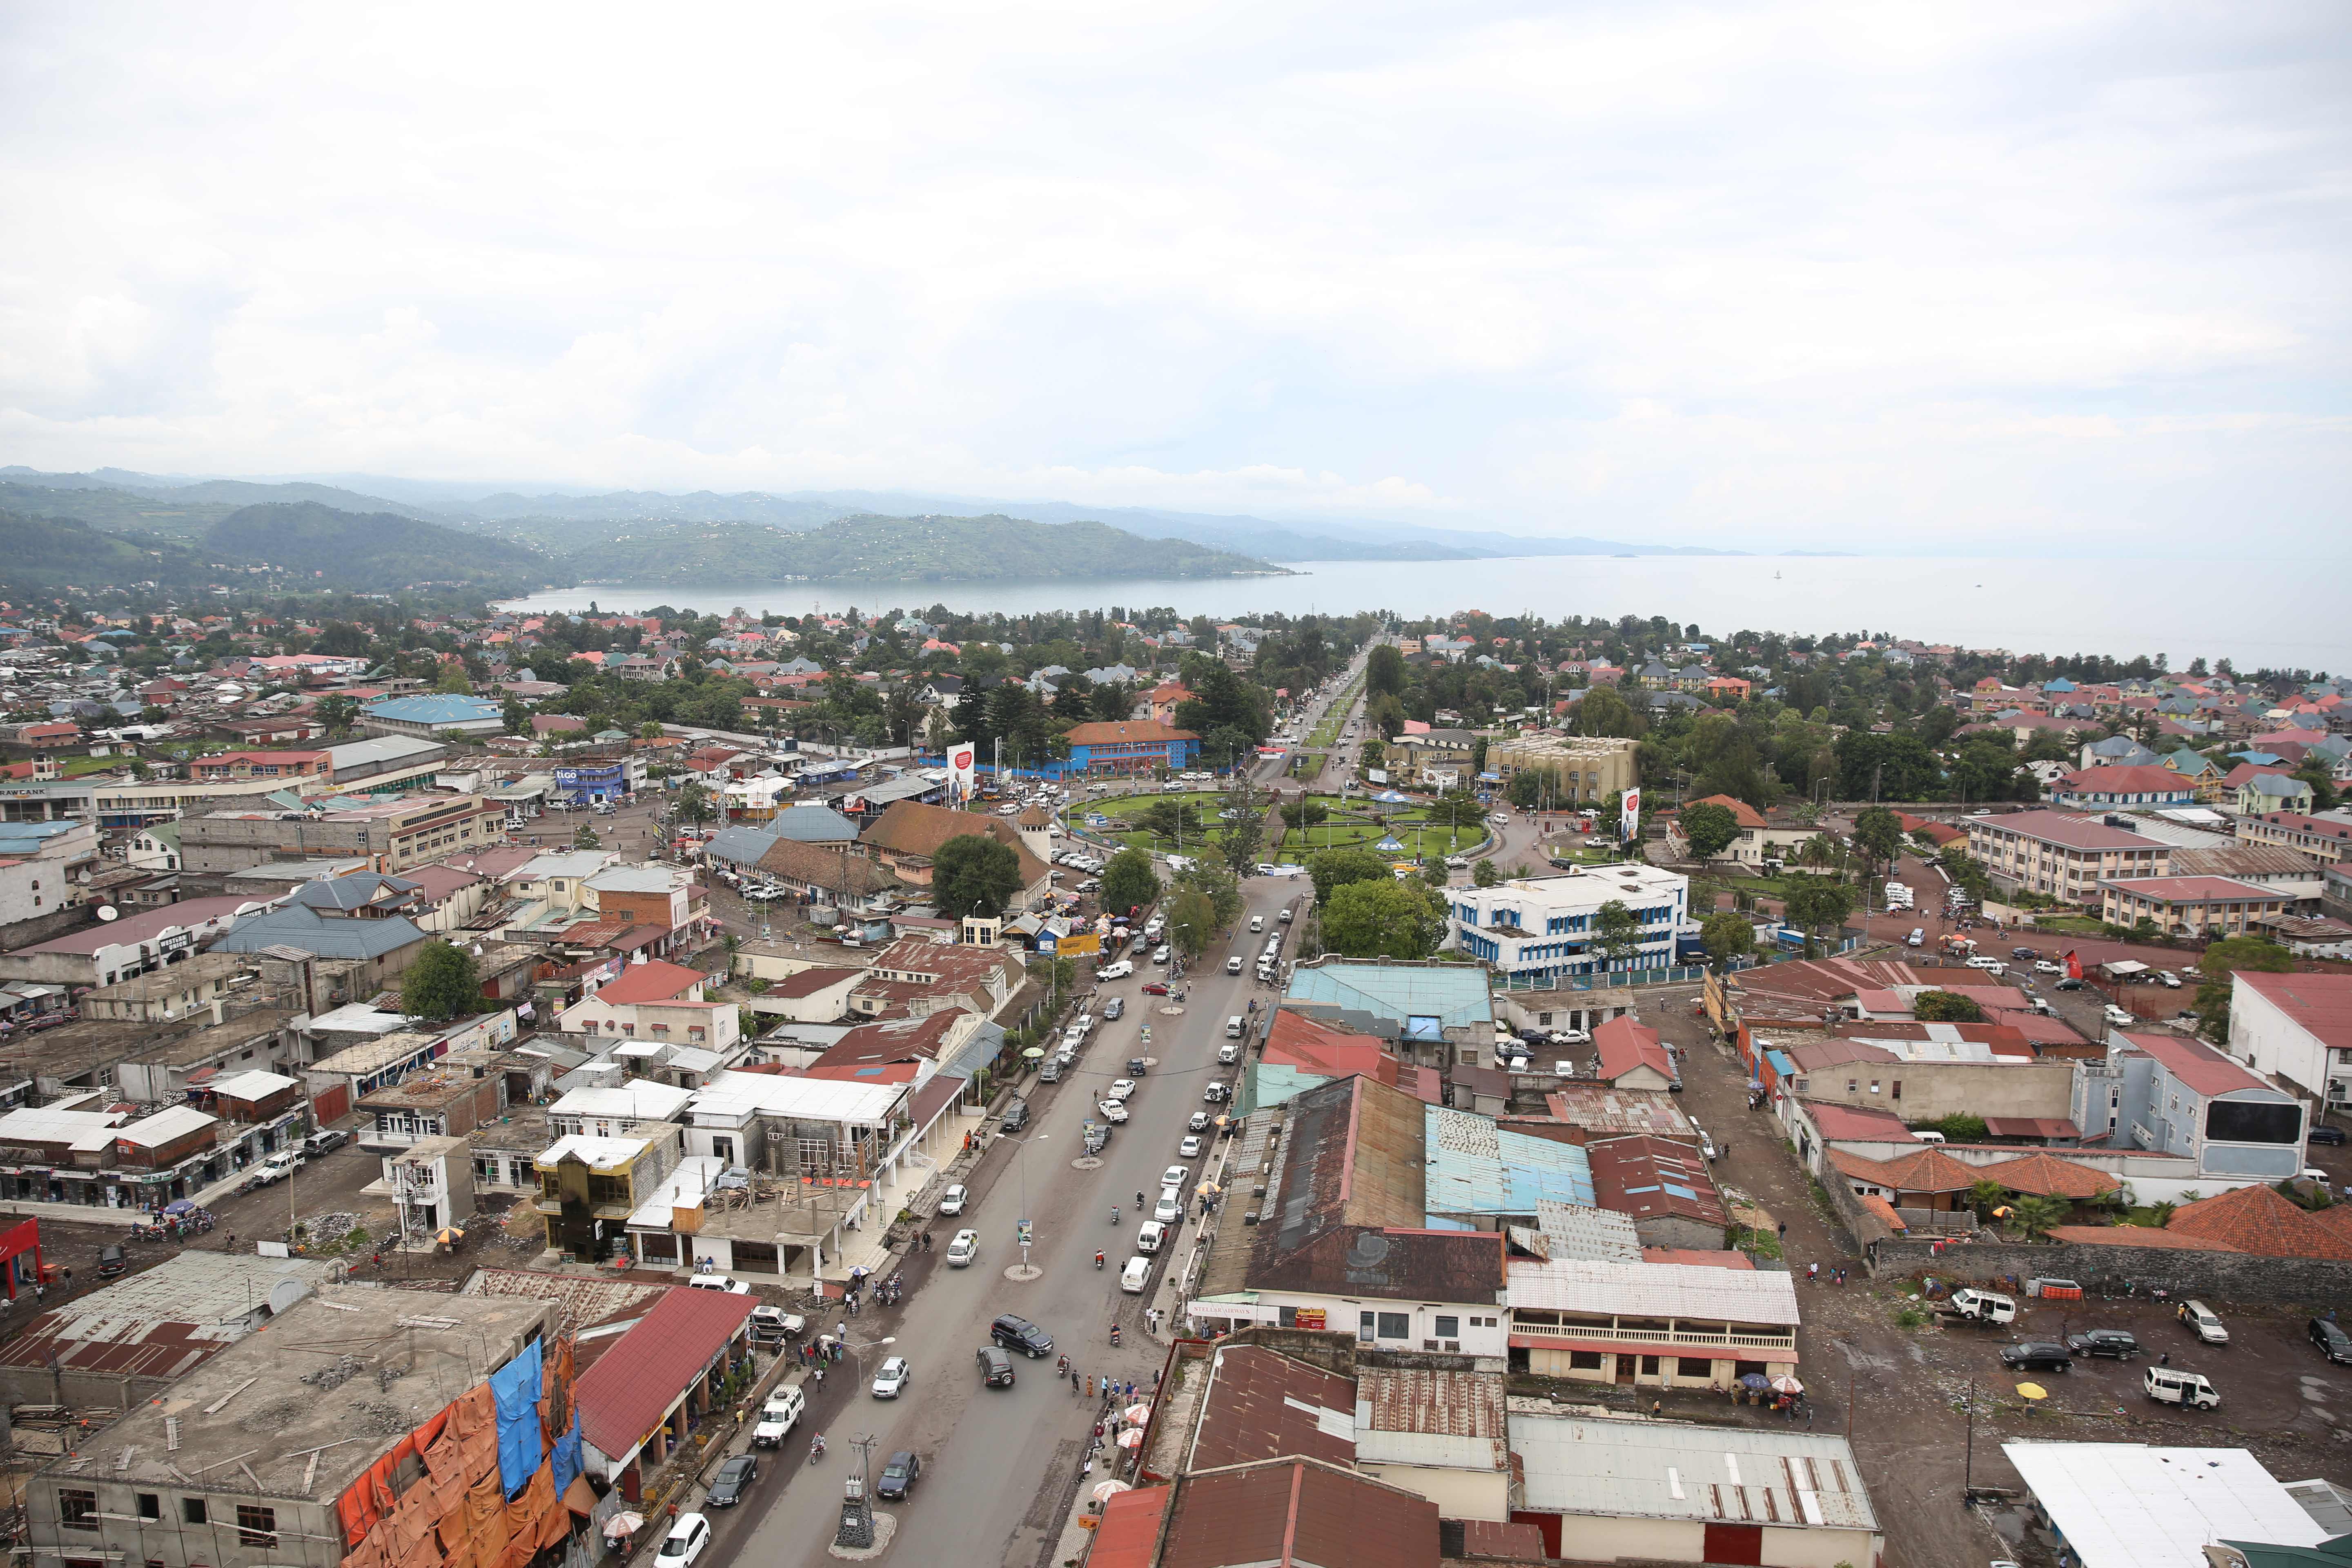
point(516, 1387)
point(567, 1455)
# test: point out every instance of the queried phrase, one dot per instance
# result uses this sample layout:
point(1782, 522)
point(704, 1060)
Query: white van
point(2170, 1385)
point(717, 1282)
point(1135, 1275)
point(1119, 971)
point(1236, 1027)
point(1149, 1236)
point(1228, 1054)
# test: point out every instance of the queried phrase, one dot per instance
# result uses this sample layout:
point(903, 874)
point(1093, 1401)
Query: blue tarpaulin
point(567, 1455)
point(516, 1386)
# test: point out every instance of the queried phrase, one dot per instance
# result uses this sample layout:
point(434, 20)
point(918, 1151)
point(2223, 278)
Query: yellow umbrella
point(2032, 1391)
point(449, 1236)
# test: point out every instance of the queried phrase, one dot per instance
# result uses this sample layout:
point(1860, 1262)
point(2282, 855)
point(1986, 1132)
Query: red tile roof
point(808, 982)
point(1741, 812)
point(1261, 1405)
point(623, 1395)
point(2263, 1221)
point(1857, 1122)
point(1129, 731)
point(2046, 1175)
point(650, 981)
point(2140, 780)
point(2136, 1235)
point(1625, 1045)
point(1296, 1511)
point(1929, 1171)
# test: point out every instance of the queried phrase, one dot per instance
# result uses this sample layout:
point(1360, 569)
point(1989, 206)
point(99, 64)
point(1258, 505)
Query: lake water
point(2251, 612)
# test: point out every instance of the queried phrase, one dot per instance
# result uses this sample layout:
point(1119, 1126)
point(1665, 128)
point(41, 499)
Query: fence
point(1684, 974)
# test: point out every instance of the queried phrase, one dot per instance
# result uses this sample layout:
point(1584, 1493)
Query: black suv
point(734, 1479)
point(1020, 1334)
point(2104, 1342)
point(1016, 1116)
point(899, 1476)
point(2034, 1357)
point(995, 1367)
point(2322, 1132)
point(2332, 1341)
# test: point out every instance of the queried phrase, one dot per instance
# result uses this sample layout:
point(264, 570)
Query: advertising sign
point(1376, 775)
point(1629, 816)
point(1078, 945)
point(1097, 819)
point(963, 768)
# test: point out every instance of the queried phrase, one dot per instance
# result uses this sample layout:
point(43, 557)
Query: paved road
point(1000, 1463)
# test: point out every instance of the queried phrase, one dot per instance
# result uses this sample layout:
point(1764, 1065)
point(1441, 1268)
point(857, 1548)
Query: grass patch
point(1910, 1318)
point(75, 767)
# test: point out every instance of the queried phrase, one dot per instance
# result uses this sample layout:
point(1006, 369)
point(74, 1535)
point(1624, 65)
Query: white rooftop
point(641, 1099)
point(597, 1153)
point(2130, 1505)
point(1656, 1290)
point(359, 1018)
point(85, 1131)
point(682, 1188)
point(178, 1121)
point(253, 1085)
point(735, 1095)
point(1675, 1470)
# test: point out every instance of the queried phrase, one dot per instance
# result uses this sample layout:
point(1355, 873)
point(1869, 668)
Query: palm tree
point(1985, 1195)
point(2035, 1215)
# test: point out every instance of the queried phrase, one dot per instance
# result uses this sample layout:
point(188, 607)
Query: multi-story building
point(2327, 839)
point(2061, 856)
point(1660, 1324)
point(2171, 1095)
point(1582, 769)
point(2296, 1027)
point(1132, 746)
point(2191, 906)
point(393, 834)
point(287, 765)
point(1537, 930)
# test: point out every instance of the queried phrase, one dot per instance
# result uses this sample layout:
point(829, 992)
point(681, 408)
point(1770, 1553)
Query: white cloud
point(1859, 276)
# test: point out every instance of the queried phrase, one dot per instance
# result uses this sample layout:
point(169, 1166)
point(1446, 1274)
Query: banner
point(2073, 965)
point(1078, 945)
point(1629, 816)
point(963, 769)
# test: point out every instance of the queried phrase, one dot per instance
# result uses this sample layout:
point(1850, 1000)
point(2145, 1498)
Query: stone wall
point(43, 927)
point(2212, 1277)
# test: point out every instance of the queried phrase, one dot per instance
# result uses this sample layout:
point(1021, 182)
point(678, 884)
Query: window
point(150, 1506)
point(1898, 1089)
point(76, 1508)
point(1693, 1366)
point(1873, 1086)
point(192, 1511)
point(1584, 1361)
point(1649, 1367)
point(1448, 1328)
point(256, 1525)
point(1854, 1086)
point(1396, 1325)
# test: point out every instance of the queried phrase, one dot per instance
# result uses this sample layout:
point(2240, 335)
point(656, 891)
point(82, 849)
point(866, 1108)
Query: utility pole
point(857, 1528)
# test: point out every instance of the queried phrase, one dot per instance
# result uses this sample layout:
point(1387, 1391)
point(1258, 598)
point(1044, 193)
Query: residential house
point(2173, 1095)
point(1759, 839)
point(906, 836)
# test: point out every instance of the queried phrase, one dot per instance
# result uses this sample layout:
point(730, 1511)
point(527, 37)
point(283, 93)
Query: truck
point(777, 1417)
point(1988, 1307)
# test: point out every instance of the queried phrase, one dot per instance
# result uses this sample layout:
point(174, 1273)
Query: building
point(385, 762)
point(1673, 1491)
point(1759, 838)
point(1428, 1015)
point(391, 833)
point(2173, 1095)
point(589, 1184)
point(908, 833)
point(2327, 839)
point(293, 767)
point(251, 1464)
point(2149, 787)
point(1275, 1511)
point(1132, 746)
point(434, 714)
point(2296, 1028)
point(136, 944)
point(1664, 1186)
point(1633, 1056)
point(1579, 769)
point(657, 1004)
point(1542, 930)
point(1437, 759)
point(2191, 906)
point(642, 1398)
point(2134, 1505)
point(2066, 858)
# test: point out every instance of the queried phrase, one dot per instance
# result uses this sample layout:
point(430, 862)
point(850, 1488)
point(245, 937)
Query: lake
point(2249, 612)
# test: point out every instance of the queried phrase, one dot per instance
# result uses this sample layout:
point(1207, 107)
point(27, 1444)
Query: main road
point(1001, 1465)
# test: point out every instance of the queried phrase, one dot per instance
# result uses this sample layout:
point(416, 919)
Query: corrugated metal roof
point(1656, 1290)
point(1415, 1416)
point(178, 1121)
point(623, 1395)
point(1455, 994)
point(1477, 1168)
point(1260, 1404)
point(1672, 1470)
point(1582, 1231)
point(2126, 1505)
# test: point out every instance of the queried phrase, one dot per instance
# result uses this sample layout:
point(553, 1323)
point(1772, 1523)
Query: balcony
point(1586, 1336)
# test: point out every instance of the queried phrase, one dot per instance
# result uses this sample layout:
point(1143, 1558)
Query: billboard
point(963, 768)
point(1078, 945)
point(1629, 816)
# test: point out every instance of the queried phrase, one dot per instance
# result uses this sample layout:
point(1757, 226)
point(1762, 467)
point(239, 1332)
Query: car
point(1170, 1209)
point(951, 1201)
point(1120, 1088)
point(2324, 1133)
point(775, 1323)
point(324, 1138)
point(778, 1416)
point(1265, 868)
point(1596, 843)
point(1149, 1234)
point(277, 1167)
point(2201, 1321)
point(2169, 980)
point(1286, 912)
point(1134, 1275)
point(2113, 1343)
point(1115, 1008)
point(1234, 965)
point(1018, 1333)
point(995, 1367)
point(1118, 969)
point(963, 1249)
point(2070, 983)
point(689, 1535)
point(1500, 819)
point(1190, 1147)
point(1157, 988)
point(2036, 1356)
point(1217, 1093)
point(1457, 862)
point(1570, 1037)
point(891, 1377)
point(2120, 1018)
point(1112, 1110)
point(899, 1476)
point(1199, 1123)
point(2024, 953)
point(2333, 1341)
point(734, 1479)
point(1016, 1116)
point(113, 1260)
point(725, 1284)
point(1175, 1176)
point(2048, 966)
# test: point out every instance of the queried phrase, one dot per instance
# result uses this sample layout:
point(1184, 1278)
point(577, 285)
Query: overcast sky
point(1872, 276)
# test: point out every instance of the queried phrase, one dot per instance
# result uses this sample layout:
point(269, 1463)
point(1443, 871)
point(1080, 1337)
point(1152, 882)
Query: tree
point(693, 802)
point(1525, 790)
point(1812, 903)
point(440, 984)
point(1601, 711)
point(1729, 937)
point(453, 681)
point(1616, 934)
point(1946, 1008)
point(1192, 922)
point(1170, 819)
point(1244, 830)
point(2223, 959)
point(974, 873)
point(1878, 833)
point(1985, 1194)
point(1218, 886)
point(1387, 918)
point(1482, 873)
point(514, 715)
point(1384, 672)
point(337, 713)
point(1710, 827)
point(1128, 883)
point(2034, 1216)
point(1332, 869)
point(1304, 812)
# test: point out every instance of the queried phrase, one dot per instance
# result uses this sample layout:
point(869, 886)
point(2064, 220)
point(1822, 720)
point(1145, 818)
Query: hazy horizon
point(2028, 279)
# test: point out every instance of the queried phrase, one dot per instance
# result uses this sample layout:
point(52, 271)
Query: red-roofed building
point(1633, 1056)
point(1759, 838)
point(2261, 1220)
point(2138, 788)
point(637, 1401)
point(656, 1002)
point(2191, 906)
point(2297, 1026)
point(2066, 858)
point(1663, 1184)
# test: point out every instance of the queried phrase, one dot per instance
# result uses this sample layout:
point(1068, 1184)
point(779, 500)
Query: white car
point(1499, 820)
point(1160, 954)
point(2048, 966)
point(1121, 1087)
point(1570, 1037)
point(951, 1201)
point(2118, 1016)
point(1265, 868)
point(1199, 1124)
point(1456, 862)
point(1149, 1236)
point(1119, 971)
point(1175, 1176)
point(1169, 1209)
point(684, 1541)
point(1112, 1110)
point(1190, 1147)
point(963, 1249)
point(890, 1377)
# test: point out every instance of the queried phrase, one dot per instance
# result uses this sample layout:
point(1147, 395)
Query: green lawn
point(1345, 829)
point(74, 767)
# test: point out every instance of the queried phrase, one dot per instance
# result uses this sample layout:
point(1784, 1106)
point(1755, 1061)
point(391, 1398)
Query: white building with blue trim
point(1540, 930)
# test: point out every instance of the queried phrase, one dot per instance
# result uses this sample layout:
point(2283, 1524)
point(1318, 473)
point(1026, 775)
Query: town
point(493, 1088)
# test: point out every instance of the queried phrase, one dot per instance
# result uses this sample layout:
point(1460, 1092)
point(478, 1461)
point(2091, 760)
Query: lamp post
point(1024, 1234)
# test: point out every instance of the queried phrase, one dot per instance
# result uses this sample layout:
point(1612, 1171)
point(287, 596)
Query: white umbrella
point(624, 1523)
point(1136, 1414)
point(1106, 1490)
point(1131, 1439)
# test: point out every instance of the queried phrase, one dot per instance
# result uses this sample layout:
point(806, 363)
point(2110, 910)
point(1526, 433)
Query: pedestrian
point(1812, 1273)
point(1074, 1380)
point(1784, 1230)
point(1657, 1407)
point(2164, 1360)
point(1809, 1416)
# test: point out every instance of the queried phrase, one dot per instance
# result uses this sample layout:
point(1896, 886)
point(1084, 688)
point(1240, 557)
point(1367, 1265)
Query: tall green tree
point(1616, 934)
point(1384, 672)
point(974, 873)
point(440, 983)
point(2221, 960)
point(1244, 829)
point(1384, 919)
point(1332, 869)
point(1878, 833)
point(1483, 872)
point(1602, 711)
point(1710, 827)
point(1128, 883)
point(1812, 903)
point(1946, 1008)
point(1192, 922)
point(1729, 937)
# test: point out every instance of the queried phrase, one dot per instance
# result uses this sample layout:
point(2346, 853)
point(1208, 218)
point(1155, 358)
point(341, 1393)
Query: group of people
point(1813, 1273)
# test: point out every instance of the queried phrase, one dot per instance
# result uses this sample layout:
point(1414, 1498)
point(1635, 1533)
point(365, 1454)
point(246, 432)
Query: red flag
point(2073, 965)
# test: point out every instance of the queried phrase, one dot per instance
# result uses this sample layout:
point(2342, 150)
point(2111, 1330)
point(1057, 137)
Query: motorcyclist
point(1098, 1257)
point(1114, 1213)
point(1139, 1202)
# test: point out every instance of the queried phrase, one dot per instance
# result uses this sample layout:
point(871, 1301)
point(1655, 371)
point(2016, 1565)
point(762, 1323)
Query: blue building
point(434, 714)
point(1132, 746)
point(592, 780)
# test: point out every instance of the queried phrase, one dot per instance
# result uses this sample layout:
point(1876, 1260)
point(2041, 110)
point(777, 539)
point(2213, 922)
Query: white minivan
point(1236, 1027)
point(1135, 1275)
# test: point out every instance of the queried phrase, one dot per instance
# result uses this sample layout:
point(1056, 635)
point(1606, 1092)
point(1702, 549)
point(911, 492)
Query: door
point(1626, 1365)
point(1735, 1543)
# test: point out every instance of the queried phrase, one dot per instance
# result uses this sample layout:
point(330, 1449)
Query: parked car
point(2120, 1018)
point(1190, 1147)
point(2048, 966)
point(1155, 989)
point(277, 1168)
point(899, 1476)
point(324, 1138)
point(2321, 1132)
point(2070, 983)
point(2173, 1386)
point(951, 1201)
point(685, 1540)
point(2333, 1341)
point(2201, 1321)
point(1149, 1234)
point(1134, 1275)
point(2024, 952)
point(1175, 1176)
point(1016, 1116)
point(1169, 1209)
point(2035, 1355)
point(112, 1260)
point(734, 1479)
point(891, 1377)
point(1018, 1333)
point(2113, 1343)
point(1199, 1123)
point(774, 1323)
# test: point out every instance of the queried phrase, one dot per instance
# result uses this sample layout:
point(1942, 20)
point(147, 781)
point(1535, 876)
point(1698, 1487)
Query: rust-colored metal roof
point(1297, 1514)
point(1261, 1405)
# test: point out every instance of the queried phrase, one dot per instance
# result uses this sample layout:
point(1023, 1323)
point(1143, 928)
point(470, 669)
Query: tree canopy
point(1332, 869)
point(974, 873)
point(1710, 828)
point(1128, 883)
point(440, 983)
point(1384, 919)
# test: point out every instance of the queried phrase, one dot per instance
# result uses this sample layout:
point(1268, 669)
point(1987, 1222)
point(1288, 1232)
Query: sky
point(2036, 278)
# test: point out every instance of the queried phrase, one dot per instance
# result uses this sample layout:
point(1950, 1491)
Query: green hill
point(319, 546)
point(903, 550)
point(57, 552)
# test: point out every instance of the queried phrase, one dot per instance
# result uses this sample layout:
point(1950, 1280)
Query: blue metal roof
point(436, 707)
point(1477, 1168)
point(1455, 994)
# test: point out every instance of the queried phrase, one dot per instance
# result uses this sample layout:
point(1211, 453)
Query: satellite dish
point(108, 912)
point(249, 907)
point(285, 1294)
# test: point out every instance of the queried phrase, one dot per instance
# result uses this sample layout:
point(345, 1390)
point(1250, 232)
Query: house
point(2118, 752)
point(1633, 1055)
point(104, 953)
point(1132, 746)
point(1664, 1184)
point(1759, 839)
point(657, 1003)
point(2140, 788)
point(1439, 759)
point(1662, 1325)
point(908, 835)
point(1542, 930)
point(1429, 1014)
point(2066, 858)
point(1286, 1510)
point(2140, 1505)
point(2272, 791)
point(2190, 906)
point(293, 766)
point(2297, 1028)
point(816, 873)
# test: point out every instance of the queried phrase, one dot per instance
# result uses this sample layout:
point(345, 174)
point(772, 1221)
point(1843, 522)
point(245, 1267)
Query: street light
point(1023, 1163)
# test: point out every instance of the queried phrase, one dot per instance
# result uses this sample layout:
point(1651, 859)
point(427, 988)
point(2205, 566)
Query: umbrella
point(1784, 1383)
point(1136, 1414)
point(1754, 1380)
point(2032, 1391)
point(624, 1523)
point(180, 1205)
point(1106, 1490)
point(1131, 1439)
point(1033, 1052)
point(449, 1236)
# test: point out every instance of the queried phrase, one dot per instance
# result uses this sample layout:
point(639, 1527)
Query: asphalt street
point(999, 1464)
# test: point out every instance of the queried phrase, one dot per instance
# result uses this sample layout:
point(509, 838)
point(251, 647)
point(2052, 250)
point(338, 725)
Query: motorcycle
point(816, 1449)
point(1114, 1336)
point(1098, 1260)
point(1114, 1216)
